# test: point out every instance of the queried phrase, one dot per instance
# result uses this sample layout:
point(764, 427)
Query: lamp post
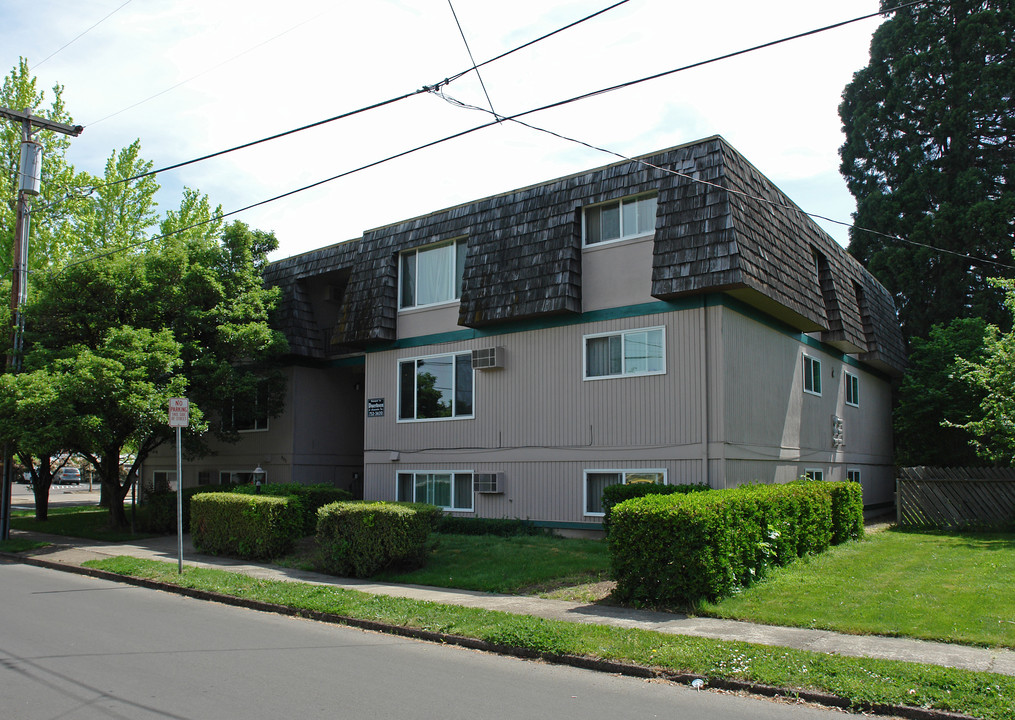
point(259, 477)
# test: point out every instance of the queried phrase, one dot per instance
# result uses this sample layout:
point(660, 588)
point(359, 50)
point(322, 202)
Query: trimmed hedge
point(616, 494)
point(158, 511)
point(245, 526)
point(159, 514)
point(674, 550)
point(358, 539)
point(311, 498)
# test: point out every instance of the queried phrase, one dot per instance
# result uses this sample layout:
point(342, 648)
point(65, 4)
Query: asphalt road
point(78, 648)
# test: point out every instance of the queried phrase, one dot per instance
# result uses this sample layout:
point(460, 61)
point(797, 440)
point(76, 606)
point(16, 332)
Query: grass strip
point(17, 545)
point(862, 682)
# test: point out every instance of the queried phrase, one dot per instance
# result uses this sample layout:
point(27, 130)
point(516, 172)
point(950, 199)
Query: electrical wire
point(425, 88)
point(746, 195)
point(561, 103)
point(80, 35)
point(210, 69)
point(471, 59)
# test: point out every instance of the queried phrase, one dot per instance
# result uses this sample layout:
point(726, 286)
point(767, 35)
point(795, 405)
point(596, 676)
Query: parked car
point(68, 476)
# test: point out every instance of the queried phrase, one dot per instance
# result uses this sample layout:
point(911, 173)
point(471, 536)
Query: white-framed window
point(814, 474)
point(625, 354)
point(598, 480)
point(852, 389)
point(447, 490)
point(435, 387)
point(853, 475)
point(431, 275)
point(620, 219)
point(812, 375)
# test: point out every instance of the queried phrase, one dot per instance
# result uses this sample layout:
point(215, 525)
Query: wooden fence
point(956, 497)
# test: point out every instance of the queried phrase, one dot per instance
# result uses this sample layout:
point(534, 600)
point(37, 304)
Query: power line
point(80, 35)
point(210, 69)
point(472, 59)
point(741, 193)
point(423, 89)
point(538, 39)
point(436, 88)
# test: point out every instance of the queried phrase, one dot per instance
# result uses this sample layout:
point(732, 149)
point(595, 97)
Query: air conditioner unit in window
point(488, 358)
point(488, 482)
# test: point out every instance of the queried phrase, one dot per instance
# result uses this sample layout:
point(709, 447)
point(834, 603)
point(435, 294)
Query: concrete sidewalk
point(65, 551)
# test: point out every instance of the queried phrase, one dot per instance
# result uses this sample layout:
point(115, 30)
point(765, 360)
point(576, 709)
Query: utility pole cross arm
point(41, 122)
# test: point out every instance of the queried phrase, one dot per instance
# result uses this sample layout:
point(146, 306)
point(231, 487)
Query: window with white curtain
point(446, 490)
point(625, 354)
point(620, 219)
point(431, 275)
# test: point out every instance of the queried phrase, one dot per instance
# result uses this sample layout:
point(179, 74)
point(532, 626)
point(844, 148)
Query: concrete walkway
point(65, 551)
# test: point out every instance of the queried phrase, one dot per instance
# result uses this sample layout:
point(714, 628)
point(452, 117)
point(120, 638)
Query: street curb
point(579, 661)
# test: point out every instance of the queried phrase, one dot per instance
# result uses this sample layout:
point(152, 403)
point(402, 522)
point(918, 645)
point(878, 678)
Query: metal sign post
point(179, 418)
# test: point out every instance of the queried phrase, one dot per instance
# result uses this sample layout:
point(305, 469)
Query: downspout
point(705, 391)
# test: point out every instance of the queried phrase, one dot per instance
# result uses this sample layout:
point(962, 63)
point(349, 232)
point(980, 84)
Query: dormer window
point(620, 219)
point(431, 275)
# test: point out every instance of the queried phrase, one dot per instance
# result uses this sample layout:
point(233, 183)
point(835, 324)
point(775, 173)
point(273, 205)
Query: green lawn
point(935, 586)
point(521, 564)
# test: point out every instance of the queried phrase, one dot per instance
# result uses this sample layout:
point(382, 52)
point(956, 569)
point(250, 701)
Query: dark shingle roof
point(736, 232)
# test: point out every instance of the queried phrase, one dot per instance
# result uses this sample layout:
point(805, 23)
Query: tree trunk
point(113, 489)
point(42, 480)
point(40, 488)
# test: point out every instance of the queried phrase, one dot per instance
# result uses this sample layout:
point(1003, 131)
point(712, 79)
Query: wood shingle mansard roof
point(721, 226)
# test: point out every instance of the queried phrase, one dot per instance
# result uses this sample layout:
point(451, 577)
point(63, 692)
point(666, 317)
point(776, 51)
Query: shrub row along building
point(672, 319)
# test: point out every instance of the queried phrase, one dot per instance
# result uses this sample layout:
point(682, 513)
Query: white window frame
point(624, 206)
point(464, 476)
point(623, 335)
point(852, 383)
point(814, 373)
point(816, 474)
point(623, 473)
point(415, 400)
point(458, 247)
point(853, 474)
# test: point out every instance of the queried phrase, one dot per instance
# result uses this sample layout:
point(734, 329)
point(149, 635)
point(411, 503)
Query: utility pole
point(29, 183)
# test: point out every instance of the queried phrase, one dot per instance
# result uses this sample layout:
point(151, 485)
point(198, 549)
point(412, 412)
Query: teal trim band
point(655, 307)
point(555, 525)
point(541, 323)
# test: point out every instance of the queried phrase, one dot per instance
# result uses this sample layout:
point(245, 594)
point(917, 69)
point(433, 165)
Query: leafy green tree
point(929, 157)
point(52, 239)
point(934, 401)
point(33, 419)
point(125, 332)
point(120, 213)
point(994, 378)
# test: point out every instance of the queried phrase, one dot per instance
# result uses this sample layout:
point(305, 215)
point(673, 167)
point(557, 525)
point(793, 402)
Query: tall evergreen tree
point(930, 157)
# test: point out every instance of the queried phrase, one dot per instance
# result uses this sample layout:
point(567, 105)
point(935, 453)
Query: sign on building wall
point(375, 407)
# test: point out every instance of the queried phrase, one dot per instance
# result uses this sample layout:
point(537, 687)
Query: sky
point(193, 77)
